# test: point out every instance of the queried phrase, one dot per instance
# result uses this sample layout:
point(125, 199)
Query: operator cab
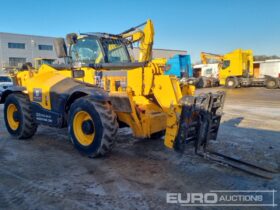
point(99, 48)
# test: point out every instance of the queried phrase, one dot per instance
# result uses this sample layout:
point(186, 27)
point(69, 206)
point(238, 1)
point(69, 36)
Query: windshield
point(5, 79)
point(88, 50)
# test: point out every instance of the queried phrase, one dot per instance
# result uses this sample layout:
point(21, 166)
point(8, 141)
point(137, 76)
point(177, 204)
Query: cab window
point(115, 51)
point(226, 64)
point(87, 50)
point(208, 71)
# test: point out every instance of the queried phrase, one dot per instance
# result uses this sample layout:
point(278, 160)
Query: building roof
point(8, 33)
point(183, 51)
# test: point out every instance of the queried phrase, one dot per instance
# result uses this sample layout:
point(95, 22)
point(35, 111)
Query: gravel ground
point(46, 172)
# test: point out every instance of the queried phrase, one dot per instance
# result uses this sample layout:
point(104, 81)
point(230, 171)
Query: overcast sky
point(216, 26)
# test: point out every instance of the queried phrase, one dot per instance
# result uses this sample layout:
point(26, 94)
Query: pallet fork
point(200, 123)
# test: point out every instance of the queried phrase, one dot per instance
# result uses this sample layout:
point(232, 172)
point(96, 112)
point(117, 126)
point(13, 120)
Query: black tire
point(26, 123)
point(202, 82)
point(206, 82)
point(104, 127)
point(232, 83)
point(271, 83)
point(214, 82)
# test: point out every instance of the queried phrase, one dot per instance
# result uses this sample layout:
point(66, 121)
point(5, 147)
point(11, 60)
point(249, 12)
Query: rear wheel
point(18, 118)
point(203, 82)
point(271, 83)
point(232, 82)
point(93, 126)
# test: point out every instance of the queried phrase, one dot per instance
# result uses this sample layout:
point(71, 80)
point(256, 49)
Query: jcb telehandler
point(101, 88)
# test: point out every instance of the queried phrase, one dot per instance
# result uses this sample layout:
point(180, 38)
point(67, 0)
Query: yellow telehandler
point(100, 89)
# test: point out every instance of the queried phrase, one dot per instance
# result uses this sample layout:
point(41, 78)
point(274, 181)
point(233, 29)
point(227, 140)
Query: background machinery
point(5, 82)
point(209, 69)
point(269, 73)
point(179, 66)
point(236, 70)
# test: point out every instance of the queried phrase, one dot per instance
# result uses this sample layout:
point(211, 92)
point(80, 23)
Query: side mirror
point(78, 73)
point(60, 47)
point(71, 38)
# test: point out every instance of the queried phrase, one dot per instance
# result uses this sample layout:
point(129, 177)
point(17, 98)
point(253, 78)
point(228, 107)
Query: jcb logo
point(37, 94)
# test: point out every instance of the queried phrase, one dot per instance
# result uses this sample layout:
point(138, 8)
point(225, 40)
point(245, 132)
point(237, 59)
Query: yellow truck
point(236, 70)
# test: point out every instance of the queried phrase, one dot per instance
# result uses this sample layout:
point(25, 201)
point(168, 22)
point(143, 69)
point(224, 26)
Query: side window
point(117, 55)
point(208, 71)
point(226, 64)
point(87, 51)
point(115, 51)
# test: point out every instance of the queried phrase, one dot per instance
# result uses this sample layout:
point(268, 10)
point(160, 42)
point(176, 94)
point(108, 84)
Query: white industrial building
point(16, 49)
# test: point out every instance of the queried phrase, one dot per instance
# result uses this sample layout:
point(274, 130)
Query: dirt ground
point(47, 172)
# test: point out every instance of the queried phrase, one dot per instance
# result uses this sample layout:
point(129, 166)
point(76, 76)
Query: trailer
point(179, 66)
point(266, 74)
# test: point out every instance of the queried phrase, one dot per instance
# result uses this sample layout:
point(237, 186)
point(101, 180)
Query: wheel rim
point(230, 83)
point(271, 83)
point(83, 127)
point(11, 112)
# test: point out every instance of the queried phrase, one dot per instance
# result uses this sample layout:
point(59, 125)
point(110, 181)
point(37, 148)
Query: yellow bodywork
point(46, 77)
point(148, 102)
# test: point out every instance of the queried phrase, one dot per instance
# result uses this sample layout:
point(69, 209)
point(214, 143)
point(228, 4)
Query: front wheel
point(232, 83)
point(18, 118)
point(93, 126)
